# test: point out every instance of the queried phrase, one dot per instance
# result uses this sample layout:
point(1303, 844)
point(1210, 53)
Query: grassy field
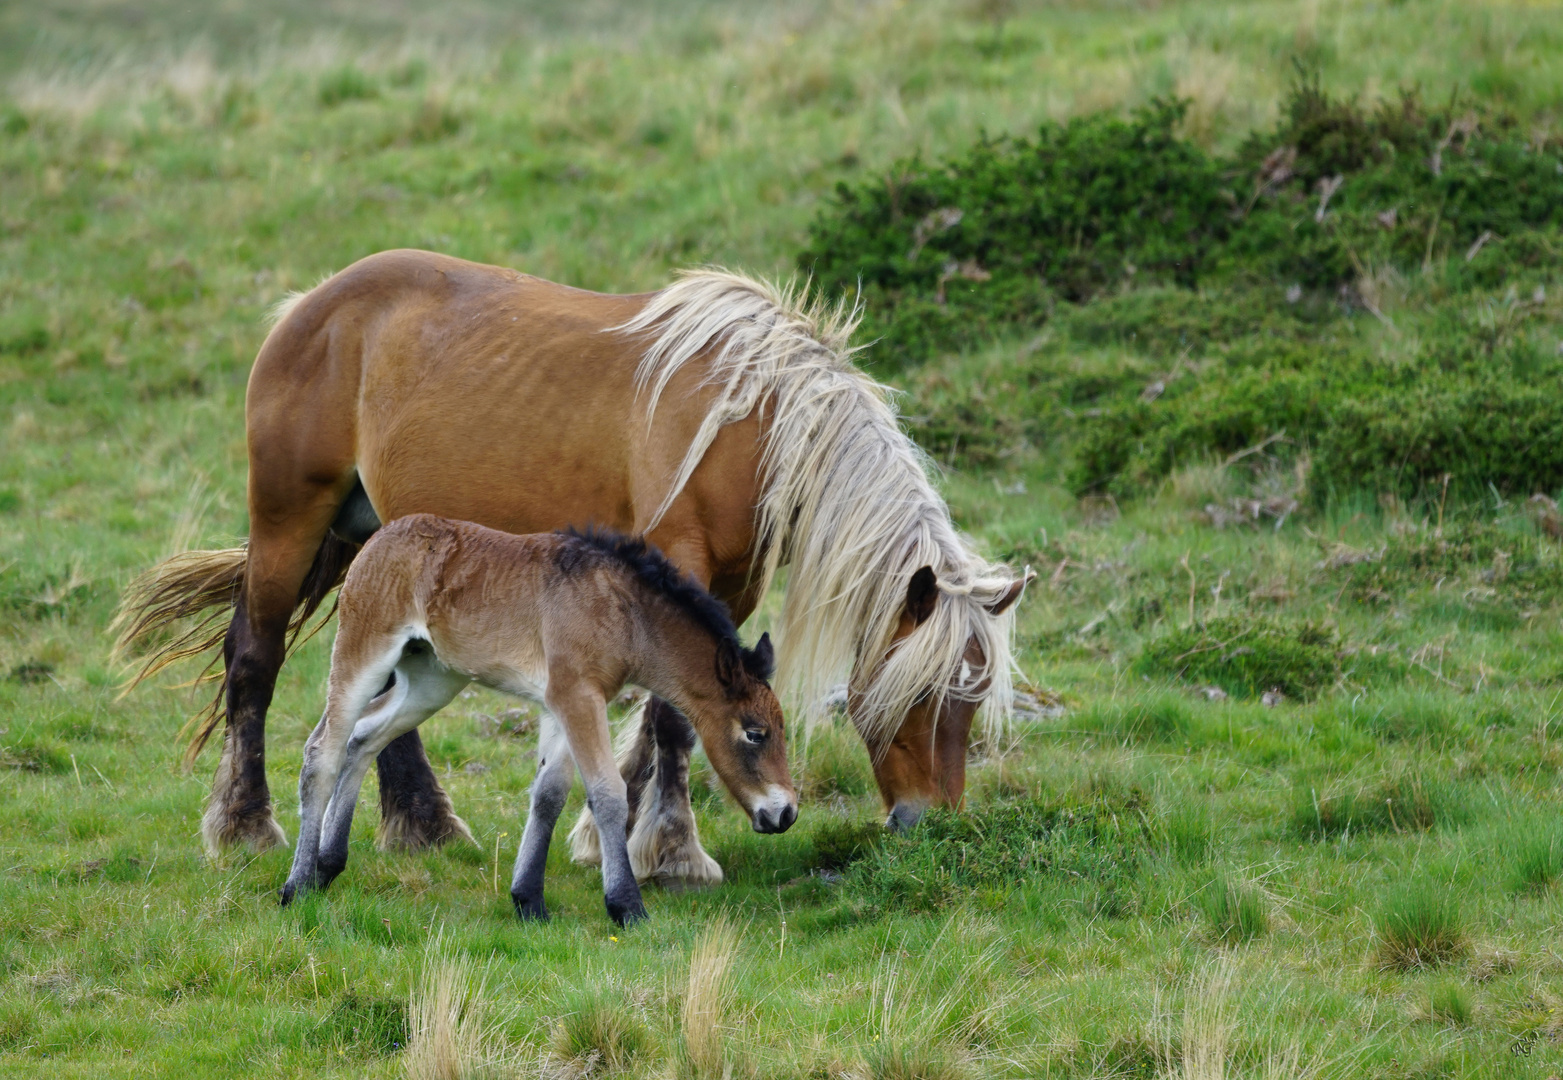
point(1160, 873)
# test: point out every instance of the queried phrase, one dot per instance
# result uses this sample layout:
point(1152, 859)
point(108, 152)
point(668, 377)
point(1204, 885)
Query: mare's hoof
point(401, 831)
point(257, 831)
point(286, 896)
point(530, 909)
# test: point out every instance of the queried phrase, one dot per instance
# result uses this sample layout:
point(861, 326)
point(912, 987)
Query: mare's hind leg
point(421, 687)
point(279, 560)
point(415, 812)
point(555, 772)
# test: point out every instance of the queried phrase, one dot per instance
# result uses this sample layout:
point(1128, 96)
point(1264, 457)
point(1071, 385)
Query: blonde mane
point(847, 502)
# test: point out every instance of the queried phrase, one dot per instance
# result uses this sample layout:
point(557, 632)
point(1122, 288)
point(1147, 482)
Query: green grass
point(169, 174)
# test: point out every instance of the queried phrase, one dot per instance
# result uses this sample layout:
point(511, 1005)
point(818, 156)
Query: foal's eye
point(754, 735)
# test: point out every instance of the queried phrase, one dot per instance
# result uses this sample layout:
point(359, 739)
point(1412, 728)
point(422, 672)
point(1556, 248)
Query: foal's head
point(701, 667)
point(744, 734)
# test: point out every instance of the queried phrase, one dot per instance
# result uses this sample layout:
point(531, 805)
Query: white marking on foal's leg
point(555, 774)
point(423, 687)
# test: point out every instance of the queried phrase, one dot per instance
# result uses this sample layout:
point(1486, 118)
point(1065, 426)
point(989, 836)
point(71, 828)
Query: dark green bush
point(946, 253)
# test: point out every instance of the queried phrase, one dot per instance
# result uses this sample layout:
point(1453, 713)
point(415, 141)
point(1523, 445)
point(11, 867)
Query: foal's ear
point(760, 661)
point(729, 665)
point(1011, 594)
point(921, 594)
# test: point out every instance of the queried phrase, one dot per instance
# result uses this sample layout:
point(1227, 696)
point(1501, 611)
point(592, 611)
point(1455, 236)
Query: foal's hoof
point(626, 914)
point(285, 897)
point(530, 909)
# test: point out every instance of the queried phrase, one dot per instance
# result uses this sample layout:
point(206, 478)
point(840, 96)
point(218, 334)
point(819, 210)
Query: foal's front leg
point(583, 712)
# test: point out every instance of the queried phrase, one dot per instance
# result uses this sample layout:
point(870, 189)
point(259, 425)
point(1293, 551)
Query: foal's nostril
point(789, 814)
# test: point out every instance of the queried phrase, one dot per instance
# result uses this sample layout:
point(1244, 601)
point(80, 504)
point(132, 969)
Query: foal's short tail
point(205, 586)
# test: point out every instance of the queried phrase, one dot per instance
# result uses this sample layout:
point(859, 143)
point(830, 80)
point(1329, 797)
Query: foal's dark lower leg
point(415, 812)
point(240, 808)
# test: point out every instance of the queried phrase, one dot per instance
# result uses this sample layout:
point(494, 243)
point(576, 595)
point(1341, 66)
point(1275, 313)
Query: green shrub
point(375, 1024)
point(840, 842)
point(1235, 911)
point(1420, 927)
point(946, 253)
point(1102, 837)
point(1245, 657)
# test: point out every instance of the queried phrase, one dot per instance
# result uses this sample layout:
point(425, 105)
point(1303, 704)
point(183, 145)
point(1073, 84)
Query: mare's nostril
point(789, 814)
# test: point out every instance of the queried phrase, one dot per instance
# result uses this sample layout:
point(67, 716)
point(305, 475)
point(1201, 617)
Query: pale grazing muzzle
point(904, 816)
point(776, 812)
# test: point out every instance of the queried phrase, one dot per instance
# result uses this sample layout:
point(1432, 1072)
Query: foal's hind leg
point(422, 686)
point(352, 685)
point(555, 772)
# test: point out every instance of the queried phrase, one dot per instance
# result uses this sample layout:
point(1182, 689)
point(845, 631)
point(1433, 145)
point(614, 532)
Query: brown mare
point(567, 619)
point(720, 418)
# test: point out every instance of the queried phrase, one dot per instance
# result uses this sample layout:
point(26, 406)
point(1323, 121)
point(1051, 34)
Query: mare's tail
point(206, 585)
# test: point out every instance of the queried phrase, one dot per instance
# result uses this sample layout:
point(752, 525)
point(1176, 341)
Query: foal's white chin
point(776, 812)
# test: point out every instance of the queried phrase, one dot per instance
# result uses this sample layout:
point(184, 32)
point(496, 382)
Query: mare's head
point(745, 737)
point(946, 653)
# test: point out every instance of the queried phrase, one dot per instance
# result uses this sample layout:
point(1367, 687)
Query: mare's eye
point(754, 735)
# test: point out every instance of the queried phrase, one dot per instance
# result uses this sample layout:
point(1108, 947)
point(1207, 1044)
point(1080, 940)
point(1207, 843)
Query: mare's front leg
point(555, 773)
point(583, 713)
point(664, 841)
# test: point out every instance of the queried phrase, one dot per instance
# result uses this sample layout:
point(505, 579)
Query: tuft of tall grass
point(1235, 910)
point(1419, 926)
point(1405, 803)
point(449, 1036)
point(601, 1032)
point(705, 1049)
point(1187, 827)
point(1449, 1004)
point(1538, 864)
point(917, 1061)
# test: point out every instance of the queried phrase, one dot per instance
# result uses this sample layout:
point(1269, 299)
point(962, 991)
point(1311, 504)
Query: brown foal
point(567, 619)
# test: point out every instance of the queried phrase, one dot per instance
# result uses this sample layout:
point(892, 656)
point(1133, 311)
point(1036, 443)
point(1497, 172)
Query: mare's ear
point(1011, 594)
point(729, 665)
point(921, 594)
point(761, 660)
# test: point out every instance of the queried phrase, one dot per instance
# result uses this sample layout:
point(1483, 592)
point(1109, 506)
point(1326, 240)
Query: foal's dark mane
point(657, 573)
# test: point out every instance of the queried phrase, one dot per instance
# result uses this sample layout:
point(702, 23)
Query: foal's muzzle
point(776, 814)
